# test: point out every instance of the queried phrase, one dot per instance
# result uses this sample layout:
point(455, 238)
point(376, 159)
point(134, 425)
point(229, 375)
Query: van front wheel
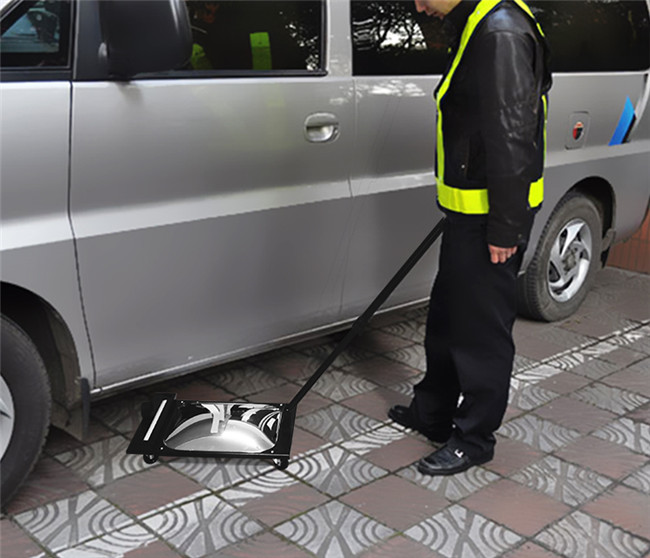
point(25, 406)
point(565, 263)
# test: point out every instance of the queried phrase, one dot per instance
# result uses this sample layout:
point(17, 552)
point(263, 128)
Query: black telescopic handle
point(363, 320)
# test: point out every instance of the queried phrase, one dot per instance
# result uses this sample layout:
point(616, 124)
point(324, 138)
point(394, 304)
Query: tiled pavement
point(571, 475)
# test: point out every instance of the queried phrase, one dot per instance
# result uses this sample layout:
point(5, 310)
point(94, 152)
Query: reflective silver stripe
point(155, 420)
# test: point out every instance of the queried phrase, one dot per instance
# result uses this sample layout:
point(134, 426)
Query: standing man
point(491, 139)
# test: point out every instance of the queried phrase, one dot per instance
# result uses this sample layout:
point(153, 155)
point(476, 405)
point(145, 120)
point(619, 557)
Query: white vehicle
point(186, 183)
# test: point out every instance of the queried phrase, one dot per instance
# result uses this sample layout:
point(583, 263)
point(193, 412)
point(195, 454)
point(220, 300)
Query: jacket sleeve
point(509, 118)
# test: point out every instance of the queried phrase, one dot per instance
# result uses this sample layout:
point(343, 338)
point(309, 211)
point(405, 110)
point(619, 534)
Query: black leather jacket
point(494, 116)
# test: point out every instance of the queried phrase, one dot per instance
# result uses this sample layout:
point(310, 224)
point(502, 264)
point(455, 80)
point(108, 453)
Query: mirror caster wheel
point(150, 459)
point(281, 464)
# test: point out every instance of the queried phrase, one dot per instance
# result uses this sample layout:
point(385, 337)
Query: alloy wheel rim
point(7, 416)
point(569, 260)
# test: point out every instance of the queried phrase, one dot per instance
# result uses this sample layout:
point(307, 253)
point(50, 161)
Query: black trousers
point(469, 346)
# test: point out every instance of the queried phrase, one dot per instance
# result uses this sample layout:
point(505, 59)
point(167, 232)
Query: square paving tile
point(122, 413)
point(580, 534)
point(48, 482)
point(412, 356)
point(288, 364)
point(265, 545)
point(606, 458)
point(511, 455)
point(640, 480)
point(632, 434)
point(243, 379)
point(149, 490)
point(395, 502)
point(336, 423)
point(375, 439)
point(531, 550)
point(453, 487)
point(523, 510)
point(337, 385)
point(624, 507)
point(102, 462)
point(634, 379)
point(15, 542)
point(610, 398)
point(398, 547)
point(595, 369)
point(334, 530)
point(529, 397)
point(382, 371)
point(575, 415)
point(564, 383)
point(376, 403)
point(541, 434)
point(399, 453)
point(70, 521)
point(130, 541)
point(219, 474)
point(305, 442)
point(563, 481)
point(378, 341)
point(202, 527)
point(157, 549)
point(285, 393)
point(335, 471)
point(458, 531)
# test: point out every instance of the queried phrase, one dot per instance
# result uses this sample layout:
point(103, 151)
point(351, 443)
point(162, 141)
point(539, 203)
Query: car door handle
point(321, 127)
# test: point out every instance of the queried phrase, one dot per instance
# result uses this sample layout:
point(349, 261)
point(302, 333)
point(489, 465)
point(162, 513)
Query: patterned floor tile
point(412, 356)
point(405, 388)
point(123, 415)
point(68, 522)
point(528, 398)
point(336, 423)
point(563, 383)
point(541, 434)
point(382, 371)
point(217, 474)
point(102, 462)
point(334, 530)
point(48, 482)
point(582, 535)
point(321, 351)
point(288, 364)
point(257, 488)
point(395, 502)
point(265, 545)
point(575, 415)
point(607, 458)
point(633, 379)
point(631, 434)
point(531, 550)
point(335, 471)
point(623, 507)
point(337, 386)
point(523, 510)
point(410, 330)
point(381, 341)
point(15, 543)
point(202, 527)
point(149, 490)
point(610, 398)
point(375, 403)
point(563, 481)
point(243, 379)
point(398, 547)
point(365, 443)
point(113, 545)
point(511, 455)
point(536, 374)
point(399, 454)
point(640, 480)
point(454, 487)
point(594, 369)
point(458, 531)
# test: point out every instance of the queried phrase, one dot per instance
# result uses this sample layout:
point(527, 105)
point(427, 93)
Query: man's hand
point(501, 255)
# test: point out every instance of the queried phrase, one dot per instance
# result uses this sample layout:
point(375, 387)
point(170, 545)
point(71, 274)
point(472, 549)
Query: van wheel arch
point(593, 199)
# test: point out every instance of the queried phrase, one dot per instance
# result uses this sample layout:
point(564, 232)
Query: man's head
point(437, 8)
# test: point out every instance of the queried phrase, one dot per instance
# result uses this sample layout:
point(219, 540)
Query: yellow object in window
point(199, 60)
point(261, 51)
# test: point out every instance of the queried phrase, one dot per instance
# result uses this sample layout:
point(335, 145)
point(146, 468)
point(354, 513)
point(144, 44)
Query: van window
point(36, 35)
point(595, 35)
point(391, 38)
point(257, 36)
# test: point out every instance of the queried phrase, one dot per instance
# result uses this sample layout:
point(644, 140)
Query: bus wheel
point(565, 262)
point(25, 406)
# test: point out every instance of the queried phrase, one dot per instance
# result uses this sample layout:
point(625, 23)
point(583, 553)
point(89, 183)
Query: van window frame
point(42, 73)
point(90, 67)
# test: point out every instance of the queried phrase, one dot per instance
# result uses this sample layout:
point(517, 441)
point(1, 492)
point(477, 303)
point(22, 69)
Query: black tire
point(562, 271)
point(25, 381)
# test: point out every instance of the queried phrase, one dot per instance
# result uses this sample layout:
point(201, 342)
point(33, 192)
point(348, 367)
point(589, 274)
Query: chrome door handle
point(321, 127)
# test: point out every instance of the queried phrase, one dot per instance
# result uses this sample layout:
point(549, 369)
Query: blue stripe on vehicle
point(624, 124)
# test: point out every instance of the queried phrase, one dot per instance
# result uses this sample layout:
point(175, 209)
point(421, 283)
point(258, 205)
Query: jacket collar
point(458, 17)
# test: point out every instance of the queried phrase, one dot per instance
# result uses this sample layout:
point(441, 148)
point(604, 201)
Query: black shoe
point(449, 461)
point(402, 415)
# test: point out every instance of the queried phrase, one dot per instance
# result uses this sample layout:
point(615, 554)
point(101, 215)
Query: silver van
point(185, 183)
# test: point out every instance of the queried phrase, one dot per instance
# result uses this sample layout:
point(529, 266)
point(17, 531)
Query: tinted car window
point(36, 34)
point(259, 35)
point(595, 35)
point(391, 38)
